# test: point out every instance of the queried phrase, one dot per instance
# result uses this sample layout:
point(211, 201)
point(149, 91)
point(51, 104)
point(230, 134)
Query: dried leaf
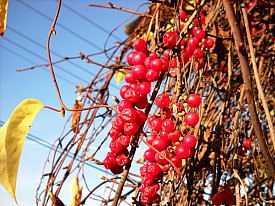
point(76, 191)
point(56, 201)
point(3, 16)
point(119, 76)
point(12, 137)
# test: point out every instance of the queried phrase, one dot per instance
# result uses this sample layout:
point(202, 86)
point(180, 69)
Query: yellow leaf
point(56, 201)
point(3, 16)
point(12, 137)
point(76, 191)
point(119, 75)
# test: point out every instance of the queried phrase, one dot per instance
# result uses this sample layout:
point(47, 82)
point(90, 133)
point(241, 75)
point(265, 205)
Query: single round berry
point(167, 53)
point(123, 90)
point(183, 15)
point(161, 160)
point(144, 88)
point(191, 118)
point(129, 58)
point(162, 100)
point(156, 124)
point(123, 104)
point(199, 33)
point(170, 39)
point(160, 144)
point(182, 151)
point(176, 161)
point(173, 63)
point(129, 114)
point(189, 141)
point(118, 123)
point(194, 42)
point(208, 43)
point(110, 160)
point(153, 55)
point(165, 64)
point(199, 20)
point(168, 125)
point(139, 71)
point(131, 128)
point(174, 136)
point(132, 95)
point(141, 117)
point(116, 147)
point(142, 102)
point(152, 75)
point(247, 143)
point(138, 58)
point(149, 155)
point(198, 53)
point(193, 100)
point(122, 160)
point(130, 77)
point(124, 140)
point(140, 45)
point(156, 65)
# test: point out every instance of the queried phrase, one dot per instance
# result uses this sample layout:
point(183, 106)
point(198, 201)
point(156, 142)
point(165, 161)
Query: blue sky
point(23, 46)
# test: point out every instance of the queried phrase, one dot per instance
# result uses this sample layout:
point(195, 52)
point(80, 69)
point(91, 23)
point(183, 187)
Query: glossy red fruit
point(139, 71)
point(153, 55)
point(118, 123)
point(132, 95)
point(129, 58)
point(141, 117)
point(123, 104)
point(124, 140)
point(194, 42)
point(152, 75)
point(173, 63)
point(138, 58)
point(190, 141)
point(123, 90)
point(142, 102)
point(162, 100)
point(149, 155)
point(150, 138)
point(122, 160)
point(168, 125)
point(193, 100)
point(199, 33)
point(165, 64)
point(129, 115)
point(160, 144)
point(208, 43)
point(159, 159)
point(116, 147)
point(130, 78)
point(218, 199)
point(183, 15)
point(145, 200)
point(131, 128)
point(182, 151)
point(167, 53)
point(156, 124)
point(114, 133)
point(117, 170)
point(174, 136)
point(153, 169)
point(110, 160)
point(247, 143)
point(176, 161)
point(144, 88)
point(198, 53)
point(140, 45)
point(191, 118)
point(156, 65)
point(170, 39)
point(199, 20)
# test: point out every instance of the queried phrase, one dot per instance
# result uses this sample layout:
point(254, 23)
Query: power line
point(48, 145)
point(63, 27)
point(34, 63)
point(88, 20)
point(42, 46)
point(45, 60)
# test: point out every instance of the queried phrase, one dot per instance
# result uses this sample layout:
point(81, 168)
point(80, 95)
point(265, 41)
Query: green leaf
point(12, 137)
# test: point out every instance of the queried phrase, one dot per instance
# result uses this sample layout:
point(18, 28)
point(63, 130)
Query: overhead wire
point(48, 145)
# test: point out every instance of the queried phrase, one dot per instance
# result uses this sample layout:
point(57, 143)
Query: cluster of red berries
point(193, 45)
point(146, 68)
point(223, 196)
point(169, 143)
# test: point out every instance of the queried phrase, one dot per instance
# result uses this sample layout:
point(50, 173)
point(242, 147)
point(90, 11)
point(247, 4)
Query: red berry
point(247, 143)
point(208, 43)
point(116, 147)
point(141, 117)
point(114, 133)
point(131, 128)
point(199, 33)
point(130, 77)
point(167, 53)
point(159, 159)
point(189, 141)
point(153, 55)
point(176, 161)
point(193, 100)
point(170, 39)
point(138, 58)
point(168, 125)
point(156, 124)
point(129, 58)
point(218, 198)
point(174, 136)
point(183, 15)
point(140, 45)
point(165, 65)
point(132, 95)
point(150, 138)
point(194, 42)
point(198, 53)
point(149, 155)
point(156, 65)
point(162, 100)
point(144, 88)
point(123, 104)
point(123, 90)
point(124, 140)
point(145, 200)
point(147, 63)
point(153, 169)
point(160, 144)
point(118, 123)
point(152, 75)
point(110, 160)
point(139, 71)
point(117, 170)
point(173, 63)
point(191, 118)
point(122, 160)
point(129, 114)
point(183, 151)
point(199, 20)
point(142, 102)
